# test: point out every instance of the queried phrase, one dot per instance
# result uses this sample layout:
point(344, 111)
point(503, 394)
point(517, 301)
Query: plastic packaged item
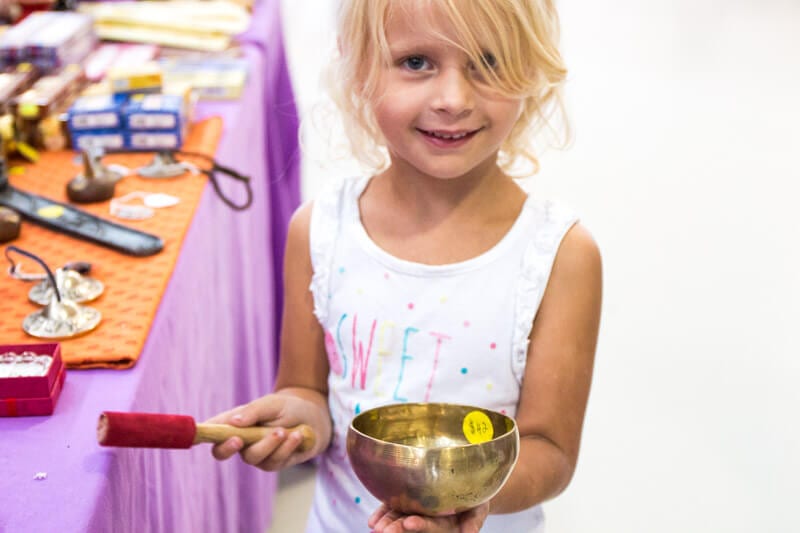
point(211, 78)
point(48, 93)
point(47, 96)
point(142, 78)
point(65, 38)
point(111, 55)
point(49, 40)
point(13, 41)
point(14, 81)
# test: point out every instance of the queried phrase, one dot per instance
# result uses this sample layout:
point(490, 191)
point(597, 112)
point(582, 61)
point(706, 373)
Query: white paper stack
point(197, 25)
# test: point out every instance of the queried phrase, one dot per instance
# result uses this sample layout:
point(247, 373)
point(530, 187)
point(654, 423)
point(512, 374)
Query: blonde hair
point(522, 35)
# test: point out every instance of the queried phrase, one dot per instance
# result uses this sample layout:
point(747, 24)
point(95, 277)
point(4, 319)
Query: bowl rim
point(511, 433)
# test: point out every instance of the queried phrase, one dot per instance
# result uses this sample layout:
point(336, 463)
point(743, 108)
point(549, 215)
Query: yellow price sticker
point(478, 427)
point(50, 211)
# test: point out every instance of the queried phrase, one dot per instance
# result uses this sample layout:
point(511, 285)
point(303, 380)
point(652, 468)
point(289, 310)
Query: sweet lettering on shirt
point(440, 338)
point(403, 359)
point(385, 339)
point(361, 359)
point(341, 345)
point(333, 355)
point(386, 362)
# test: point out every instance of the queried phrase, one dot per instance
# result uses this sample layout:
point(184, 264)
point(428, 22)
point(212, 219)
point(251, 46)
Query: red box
point(32, 395)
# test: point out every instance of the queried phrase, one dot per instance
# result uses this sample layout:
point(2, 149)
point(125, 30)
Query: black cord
point(38, 260)
point(211, 173)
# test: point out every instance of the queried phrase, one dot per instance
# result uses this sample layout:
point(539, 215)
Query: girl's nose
point(452, 92)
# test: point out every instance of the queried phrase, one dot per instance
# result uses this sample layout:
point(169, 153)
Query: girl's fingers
point(395, 527)
point(273, 452)
point(444, 524)
point(429, 525)
point(227, 449)
point(264, 409)
point(287, 448)
point(472, 520)
point(261, 451)
point(379, 512)
point(387, 521)
point(223, 417)
point(415, 523)
point(472, 524)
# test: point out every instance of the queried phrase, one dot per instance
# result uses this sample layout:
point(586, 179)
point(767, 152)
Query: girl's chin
point(442, 168)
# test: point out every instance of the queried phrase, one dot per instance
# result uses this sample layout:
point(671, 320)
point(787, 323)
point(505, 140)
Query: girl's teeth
point(449, 137)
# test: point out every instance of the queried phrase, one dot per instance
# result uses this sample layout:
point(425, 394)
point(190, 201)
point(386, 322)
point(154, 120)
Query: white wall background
point(685, 166)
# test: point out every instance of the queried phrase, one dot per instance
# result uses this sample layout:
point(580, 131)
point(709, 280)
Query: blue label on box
point(150, 112)
point(99, 112)
point(150, 141)
point(110, 140)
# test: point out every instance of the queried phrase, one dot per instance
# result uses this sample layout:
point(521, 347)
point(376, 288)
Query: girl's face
point(437, 114)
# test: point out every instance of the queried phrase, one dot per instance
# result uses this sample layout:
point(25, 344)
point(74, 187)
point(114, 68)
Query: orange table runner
point(134, 285)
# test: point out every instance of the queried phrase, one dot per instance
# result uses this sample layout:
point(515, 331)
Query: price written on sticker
point(477, 427)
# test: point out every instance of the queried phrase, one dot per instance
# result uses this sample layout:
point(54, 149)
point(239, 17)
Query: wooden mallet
point(150, 430)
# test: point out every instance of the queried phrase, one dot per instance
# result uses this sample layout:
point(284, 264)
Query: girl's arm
point(301, 389)
point(557, 376)
point(303, 368)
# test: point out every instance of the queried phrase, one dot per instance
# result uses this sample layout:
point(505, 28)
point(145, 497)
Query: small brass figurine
point(97, 183)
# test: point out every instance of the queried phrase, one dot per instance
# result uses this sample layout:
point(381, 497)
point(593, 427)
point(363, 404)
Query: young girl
point(436, 279)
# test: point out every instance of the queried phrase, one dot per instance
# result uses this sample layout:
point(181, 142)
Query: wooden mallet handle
point(217, 433)
point(151, 430)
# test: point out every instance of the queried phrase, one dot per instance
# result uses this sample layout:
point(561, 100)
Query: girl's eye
point(489, 61)
point(415, 63)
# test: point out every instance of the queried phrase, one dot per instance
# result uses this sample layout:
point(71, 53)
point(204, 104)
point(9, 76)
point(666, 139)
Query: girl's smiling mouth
point(448, 139)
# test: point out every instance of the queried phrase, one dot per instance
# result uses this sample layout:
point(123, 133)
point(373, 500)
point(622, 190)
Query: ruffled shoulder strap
point(327, 214)
point(549, 224)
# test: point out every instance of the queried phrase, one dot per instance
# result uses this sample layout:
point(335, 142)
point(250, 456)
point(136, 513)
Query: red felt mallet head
point(145, 430)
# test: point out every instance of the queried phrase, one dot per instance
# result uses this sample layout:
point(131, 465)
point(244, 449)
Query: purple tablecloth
point(211, 346)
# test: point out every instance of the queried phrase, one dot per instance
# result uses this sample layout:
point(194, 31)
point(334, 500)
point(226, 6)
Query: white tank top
point(399, 331)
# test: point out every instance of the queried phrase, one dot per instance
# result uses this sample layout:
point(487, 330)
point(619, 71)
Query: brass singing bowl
point(416, 458)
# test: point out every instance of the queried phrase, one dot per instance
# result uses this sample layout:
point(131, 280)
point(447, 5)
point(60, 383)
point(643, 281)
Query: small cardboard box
point(135, 79)
point(32, 395)
point(109, 140)
point(160, 112)
point(95, 112)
